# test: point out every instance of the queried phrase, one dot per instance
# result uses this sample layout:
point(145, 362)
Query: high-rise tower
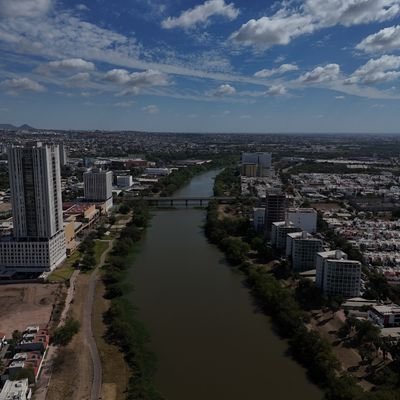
point(38, 242)
point(35, 184)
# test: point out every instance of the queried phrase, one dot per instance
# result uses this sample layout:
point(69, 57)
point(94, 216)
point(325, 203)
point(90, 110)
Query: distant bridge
point(183, 201)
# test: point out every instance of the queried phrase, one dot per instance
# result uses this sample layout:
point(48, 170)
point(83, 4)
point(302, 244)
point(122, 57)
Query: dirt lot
point(25, 304)
point(328, 324)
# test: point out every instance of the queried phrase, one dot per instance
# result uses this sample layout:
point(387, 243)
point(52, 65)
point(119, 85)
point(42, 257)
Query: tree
point(17, 336)
point(235, 250)
point(24, 373)
point(123, 209)
point(308, 295)
point(366, 332)
point(63, 335)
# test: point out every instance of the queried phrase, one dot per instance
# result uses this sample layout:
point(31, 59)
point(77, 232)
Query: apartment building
point(336, 275)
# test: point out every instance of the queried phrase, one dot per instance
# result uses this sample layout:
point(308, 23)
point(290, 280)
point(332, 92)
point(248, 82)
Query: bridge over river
point(191, 201)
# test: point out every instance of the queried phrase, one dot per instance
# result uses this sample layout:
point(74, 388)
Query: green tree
point(64, 334)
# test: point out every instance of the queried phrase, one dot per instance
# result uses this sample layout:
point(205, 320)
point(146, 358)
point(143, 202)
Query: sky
point(252, 66)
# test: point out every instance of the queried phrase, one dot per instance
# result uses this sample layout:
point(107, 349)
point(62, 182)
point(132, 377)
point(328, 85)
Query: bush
point(63, 335)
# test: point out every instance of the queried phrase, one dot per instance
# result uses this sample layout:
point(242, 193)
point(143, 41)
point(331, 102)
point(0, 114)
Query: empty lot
point(25, 304)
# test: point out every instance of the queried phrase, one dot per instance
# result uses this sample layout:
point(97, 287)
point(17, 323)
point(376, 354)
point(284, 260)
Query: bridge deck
point(193, 198)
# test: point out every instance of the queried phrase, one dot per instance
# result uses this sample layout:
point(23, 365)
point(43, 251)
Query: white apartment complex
point(303, 218)
point(279, 232)
point(336, 275)
point(304, 252)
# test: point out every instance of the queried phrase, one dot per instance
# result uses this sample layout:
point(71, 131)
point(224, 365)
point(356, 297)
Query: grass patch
point(64, 272)
point(99, 248)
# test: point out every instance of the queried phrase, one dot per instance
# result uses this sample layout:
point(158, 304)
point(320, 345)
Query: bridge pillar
point(201, 202)
point(186, 202)
point(172, 203)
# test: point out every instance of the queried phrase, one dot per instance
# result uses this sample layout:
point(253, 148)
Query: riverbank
point(123, 329)
point(285, 304)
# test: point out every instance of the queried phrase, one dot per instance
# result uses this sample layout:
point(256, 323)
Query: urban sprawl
point(326, 209)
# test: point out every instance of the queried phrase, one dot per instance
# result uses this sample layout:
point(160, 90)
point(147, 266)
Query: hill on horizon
point(12, 127)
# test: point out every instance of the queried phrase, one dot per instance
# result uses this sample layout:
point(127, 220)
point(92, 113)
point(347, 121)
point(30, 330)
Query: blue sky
point(201, 66)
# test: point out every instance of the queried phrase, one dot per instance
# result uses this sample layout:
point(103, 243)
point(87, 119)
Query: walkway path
point(95, 393)
point(45, 375)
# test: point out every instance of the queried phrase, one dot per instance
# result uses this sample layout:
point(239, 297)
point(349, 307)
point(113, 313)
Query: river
point(209, 341)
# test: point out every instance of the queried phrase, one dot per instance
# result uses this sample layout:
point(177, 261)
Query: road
point(95, 393)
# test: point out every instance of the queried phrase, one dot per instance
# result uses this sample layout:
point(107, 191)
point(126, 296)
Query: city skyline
point(201, 66)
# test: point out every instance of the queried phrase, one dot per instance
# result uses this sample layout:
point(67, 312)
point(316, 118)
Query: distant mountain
point(7, 126)
point(25, 127)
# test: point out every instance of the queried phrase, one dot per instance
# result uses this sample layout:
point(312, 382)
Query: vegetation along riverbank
point(123, 328)
point(290, 306)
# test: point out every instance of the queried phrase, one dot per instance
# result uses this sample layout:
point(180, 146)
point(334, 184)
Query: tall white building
point(336, 275)
point(304, 252)
point(303, 218)
point(97, 186)
point(38, 242)
point(35, 185)
point(279, 233)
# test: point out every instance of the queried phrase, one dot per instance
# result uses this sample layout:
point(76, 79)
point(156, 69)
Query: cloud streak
point(201, 14)
point(292, 21)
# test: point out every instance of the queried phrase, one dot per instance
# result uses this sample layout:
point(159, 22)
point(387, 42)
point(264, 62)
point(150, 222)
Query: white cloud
point(340, 97)
point(292, 21)
point(245, 116)
point(276, 90)
point(66, 65)
point(351, 12)
point(151, 109)
point(24, 8)
point(65, 36)
point(284, 68)
point(82, 7)
point(383, 69)
point(224, 90)
point(16, 85)
point(277, 30)
point(135, 81)
point(383, 41)
point(327, 73)
point(79, 79)
point(200, 14)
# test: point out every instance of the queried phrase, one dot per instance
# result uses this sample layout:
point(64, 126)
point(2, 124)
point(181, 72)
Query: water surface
point(209, 341)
